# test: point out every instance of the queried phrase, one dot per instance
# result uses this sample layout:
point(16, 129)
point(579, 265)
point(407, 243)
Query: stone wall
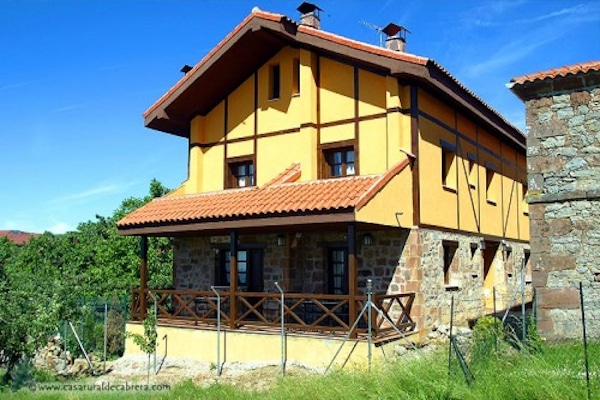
point(471, 287)
point(564, 182)
point(398, 261)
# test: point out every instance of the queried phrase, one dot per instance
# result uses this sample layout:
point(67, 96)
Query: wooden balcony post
point(143, 276)
point(352, 283)
point(233, 277)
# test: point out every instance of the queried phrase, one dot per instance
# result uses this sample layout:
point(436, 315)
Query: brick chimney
point(309, 15)
point(396, 37)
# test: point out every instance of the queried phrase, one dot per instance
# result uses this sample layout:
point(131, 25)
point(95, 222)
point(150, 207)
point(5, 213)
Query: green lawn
point(555, 373)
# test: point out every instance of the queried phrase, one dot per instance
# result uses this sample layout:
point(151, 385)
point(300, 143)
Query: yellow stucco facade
point(316, 351)
point(323, 101)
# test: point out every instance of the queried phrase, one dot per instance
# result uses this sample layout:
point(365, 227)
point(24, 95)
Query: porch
point(301, 312)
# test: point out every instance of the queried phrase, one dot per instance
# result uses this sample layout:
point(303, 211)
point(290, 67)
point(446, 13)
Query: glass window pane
point(242, 278)
point(337, 282)
point(242, 181)
point(350, 156)
point(242, 170)
point(338, 256)
point(350, 169)
point(336, 170)
point(242, 268)
point(337, 157)
point(242, 255)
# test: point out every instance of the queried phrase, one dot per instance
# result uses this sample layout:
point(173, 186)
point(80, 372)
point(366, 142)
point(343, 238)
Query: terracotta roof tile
point(557, 72)
point(290, 174)
point(283, 198)
point(18, 237)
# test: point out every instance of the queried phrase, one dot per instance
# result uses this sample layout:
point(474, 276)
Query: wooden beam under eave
point(233, 277)
point(143, 276)
point(352, 272)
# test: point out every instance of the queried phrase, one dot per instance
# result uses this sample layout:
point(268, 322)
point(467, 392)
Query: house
point(317, 164)
point(563, 116)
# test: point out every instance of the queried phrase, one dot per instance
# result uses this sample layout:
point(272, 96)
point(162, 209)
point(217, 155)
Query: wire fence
point(511, 330)
point(98, 328)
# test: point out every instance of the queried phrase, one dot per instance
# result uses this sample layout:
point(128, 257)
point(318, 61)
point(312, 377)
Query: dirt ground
point(248, 376)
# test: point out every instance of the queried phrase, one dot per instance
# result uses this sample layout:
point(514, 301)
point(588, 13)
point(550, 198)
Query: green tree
point(44, 282)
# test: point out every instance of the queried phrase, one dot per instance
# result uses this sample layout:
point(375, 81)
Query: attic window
point(274, 82)
point(492, 183)
point(448, 165)
point(296, 76)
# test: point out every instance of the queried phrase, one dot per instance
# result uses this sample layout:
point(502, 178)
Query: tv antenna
point(379, 30)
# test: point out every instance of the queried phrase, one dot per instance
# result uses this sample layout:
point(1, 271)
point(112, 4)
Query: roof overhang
point(248, 224)
point(261, 35)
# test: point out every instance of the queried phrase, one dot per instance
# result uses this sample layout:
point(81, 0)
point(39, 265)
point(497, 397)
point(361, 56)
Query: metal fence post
point(218, 330)
point(105, 332)
point(524, 322)
point(585, 347)
point(282, 311)
point(370, 323)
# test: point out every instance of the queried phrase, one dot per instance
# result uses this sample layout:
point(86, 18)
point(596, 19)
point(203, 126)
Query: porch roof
point(331, 200)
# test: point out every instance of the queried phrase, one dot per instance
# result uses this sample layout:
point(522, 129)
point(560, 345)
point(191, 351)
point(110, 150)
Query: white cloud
point(69, 107)
point(60, 227)
point(510, 53)
point(90, 193)
point(15, 85)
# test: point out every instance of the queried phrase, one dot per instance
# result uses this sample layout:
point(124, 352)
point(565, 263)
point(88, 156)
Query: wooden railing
point(301, 311)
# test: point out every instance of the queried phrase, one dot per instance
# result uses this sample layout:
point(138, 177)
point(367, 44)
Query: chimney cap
point(307, 7)
point(392, 30)
point(186, 68)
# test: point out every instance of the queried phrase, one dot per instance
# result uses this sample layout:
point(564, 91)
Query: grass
point(557, 372)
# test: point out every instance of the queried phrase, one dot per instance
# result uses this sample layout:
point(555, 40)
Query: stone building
point(563, 157)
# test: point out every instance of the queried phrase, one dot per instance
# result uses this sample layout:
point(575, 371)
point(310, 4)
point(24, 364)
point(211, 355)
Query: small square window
point(472, 177)
point(524, 199)
point(274, 82)
point(448, 165)
point(339, 162)
point(450, 260)
point(241, 174)
point(296, 76)
point(492, 184)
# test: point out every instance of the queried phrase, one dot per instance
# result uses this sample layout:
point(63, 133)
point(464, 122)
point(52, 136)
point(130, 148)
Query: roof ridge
point(367, 46)
point(290, 174)
point(380, 183)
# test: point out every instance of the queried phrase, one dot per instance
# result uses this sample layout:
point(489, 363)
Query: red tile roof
point(274, 199)
point(557, 72)
point(18, 237)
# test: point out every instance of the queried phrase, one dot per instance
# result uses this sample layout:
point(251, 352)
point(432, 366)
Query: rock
point(79, 366)
point(60, 365)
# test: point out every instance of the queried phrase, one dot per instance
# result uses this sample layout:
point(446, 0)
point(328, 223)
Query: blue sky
point(76, 76)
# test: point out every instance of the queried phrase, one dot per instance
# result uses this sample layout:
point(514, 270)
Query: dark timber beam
point(352, 282)
point(233, 277)
point(143, 276)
